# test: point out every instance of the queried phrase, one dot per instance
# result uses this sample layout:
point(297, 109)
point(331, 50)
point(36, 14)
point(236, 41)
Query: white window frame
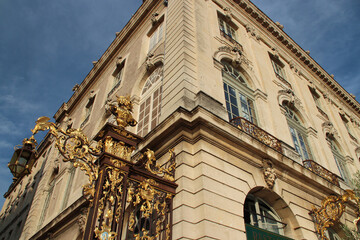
point(238, 96)
point(150, 104)
point(227, 29)
point(156, 36)
point(340, 161)
point(298, 134)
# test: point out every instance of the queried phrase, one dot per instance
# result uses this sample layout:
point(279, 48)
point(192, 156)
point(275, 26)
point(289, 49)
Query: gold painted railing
point(258, 133)
point(321, 171)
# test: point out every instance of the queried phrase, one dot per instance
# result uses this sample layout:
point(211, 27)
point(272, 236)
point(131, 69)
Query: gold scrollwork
point(167, 171)
point(148, 202)
point(331, 210)
point(75, 147)
point(118, 149)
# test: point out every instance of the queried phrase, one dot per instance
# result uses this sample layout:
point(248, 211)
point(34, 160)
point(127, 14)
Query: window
point(150, 103)
point(278, 68)
point(259, 214)
point(88, 109)
point(226, 29)
point(117, 77)
point(339, 160)
point(156, 36)
point(347, 125)
point(239, 102)
point(316, 99)
point(298, 133)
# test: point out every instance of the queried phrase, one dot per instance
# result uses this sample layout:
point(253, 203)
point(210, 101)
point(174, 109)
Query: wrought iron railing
point(258, 133)
point(321, 171)
point(231, 39)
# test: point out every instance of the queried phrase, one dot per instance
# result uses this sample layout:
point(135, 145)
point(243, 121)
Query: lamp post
point(129, 198)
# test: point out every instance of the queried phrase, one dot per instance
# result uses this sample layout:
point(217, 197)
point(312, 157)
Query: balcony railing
point(258, 133)
point(231, 39)
point(321, 171)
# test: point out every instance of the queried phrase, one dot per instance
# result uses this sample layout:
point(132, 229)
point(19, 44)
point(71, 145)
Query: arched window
point(259, 214)
point(150, 102)
point(339, 160)
point(298, 133)
point(238, 96)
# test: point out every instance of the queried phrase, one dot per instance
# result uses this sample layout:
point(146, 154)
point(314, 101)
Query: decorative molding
point(276, 31)
point(235, 55)
point(252, 32)
point(154, 18)
point(153, 61)
point(329, 130)
point(269, 173)
point(289, 96)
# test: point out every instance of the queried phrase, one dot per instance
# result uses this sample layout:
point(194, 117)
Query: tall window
point(117, 77)
point(150, 103)
point(278, 67)
point(339, 160)
point(226, 29)
point(298, 134)
point(156, 36)
point(259, 214)
point(88, 109)
point(238, 96)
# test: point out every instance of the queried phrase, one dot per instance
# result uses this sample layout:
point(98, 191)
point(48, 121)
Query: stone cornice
point(101, 64)
point(276, 31)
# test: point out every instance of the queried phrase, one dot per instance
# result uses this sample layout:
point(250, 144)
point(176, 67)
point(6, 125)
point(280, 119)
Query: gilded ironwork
point(122, 111)
point(167, 171)
point(119, 149)
point(75, 147)
point(321, 171)
point(257, 133)
point(331, 210)
point(149, 205)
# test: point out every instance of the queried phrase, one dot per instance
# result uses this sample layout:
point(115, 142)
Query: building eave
point(304, 58)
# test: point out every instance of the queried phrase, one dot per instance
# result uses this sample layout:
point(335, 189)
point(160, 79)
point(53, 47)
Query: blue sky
point(46, 47)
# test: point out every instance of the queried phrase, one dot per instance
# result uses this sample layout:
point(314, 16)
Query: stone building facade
point(260, 131)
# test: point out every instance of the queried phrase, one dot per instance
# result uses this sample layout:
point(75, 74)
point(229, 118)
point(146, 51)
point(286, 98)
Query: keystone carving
point(269, 173)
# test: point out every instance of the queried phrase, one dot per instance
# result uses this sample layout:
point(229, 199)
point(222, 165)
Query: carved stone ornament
point(275, 52)
point(82, 220)
point(149, 62)
point(118, 61)
point(227, 13)
point(269, 173)
point(154, 18)
point(331, 210)
point(235, 54)
point(329, 130)
point(252, 32)
point(289, 96)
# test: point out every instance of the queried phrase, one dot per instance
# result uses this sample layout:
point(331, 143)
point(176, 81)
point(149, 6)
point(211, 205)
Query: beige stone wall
point(218, 165)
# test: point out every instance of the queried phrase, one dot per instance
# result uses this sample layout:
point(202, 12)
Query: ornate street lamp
point(23, 158)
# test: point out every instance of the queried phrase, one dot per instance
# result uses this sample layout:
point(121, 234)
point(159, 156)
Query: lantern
point(23, 158)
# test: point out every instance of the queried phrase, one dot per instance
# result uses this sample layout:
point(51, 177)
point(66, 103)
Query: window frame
point(278, 68)
point(242, 92)
point(298, 133)
point(117, 77)
point(227, 28)
point(156, 35)
point(258, 218)
point(339, 160)
point(150, 102)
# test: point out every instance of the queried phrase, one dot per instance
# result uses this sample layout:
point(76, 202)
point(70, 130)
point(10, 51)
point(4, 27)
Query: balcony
point(258, 133)
point(321, 171)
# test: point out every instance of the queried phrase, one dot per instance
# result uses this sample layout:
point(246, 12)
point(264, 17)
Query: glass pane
point(235, 110)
